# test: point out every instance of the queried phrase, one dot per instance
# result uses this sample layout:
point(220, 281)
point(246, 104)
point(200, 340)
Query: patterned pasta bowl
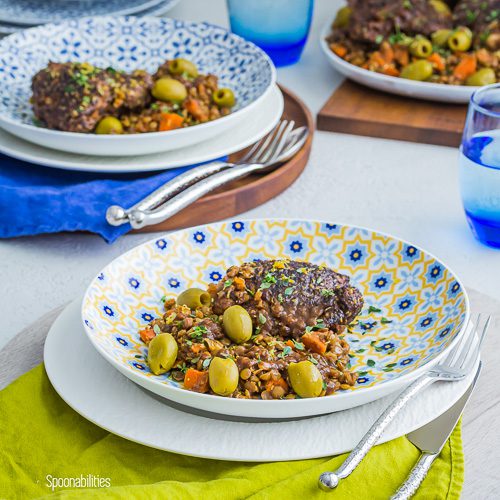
point(415, 307)
point(129, 43)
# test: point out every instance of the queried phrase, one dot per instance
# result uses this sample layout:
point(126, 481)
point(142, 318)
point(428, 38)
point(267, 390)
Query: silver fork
point(456, 366)
point(264, 150)
point(274, 151)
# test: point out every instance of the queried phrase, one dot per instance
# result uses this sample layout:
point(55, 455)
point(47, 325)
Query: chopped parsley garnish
point(289, 290)
point(206, 363)
point(327, 293)
point(324, 385)
point(183, 368)
point(407, 4)
point(320, 324)
point(156, 329)
point(227, 284)
point(379, 39)
point(197, 332)
point(298, 345)
point(262, 319)
point(154, 106)
point(314, 361)
point(286, 351)
point(470, 16)
point(372, 309)
point(195, 360)
point(384, 321)
point(269, 279)
point(280, 298)
point(163, 299)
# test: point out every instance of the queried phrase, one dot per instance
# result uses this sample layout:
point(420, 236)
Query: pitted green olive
point(419, 70)
point(306, 379)
point(169, 89)
point(440, 7)
point(223, 376)
point(421, 47)
point(484, 76)
point(183, 67)
point(162, 353)
point(194, 298)
point(237, 324)
point(109, 125)
point(224, 97)
point(460, 41)
point(342, 18)
point(440, 37)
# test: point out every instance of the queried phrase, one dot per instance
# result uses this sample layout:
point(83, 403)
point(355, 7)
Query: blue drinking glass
point(279, 27)
point(480, 165)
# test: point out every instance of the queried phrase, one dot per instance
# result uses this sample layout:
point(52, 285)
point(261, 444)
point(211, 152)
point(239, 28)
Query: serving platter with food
point(274, 318)
point(119, 86)
point(428, 49)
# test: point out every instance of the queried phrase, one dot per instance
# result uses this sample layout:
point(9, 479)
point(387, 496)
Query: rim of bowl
point(136, 137)
point(400, 380)
point(478, 106)
point(386, 78)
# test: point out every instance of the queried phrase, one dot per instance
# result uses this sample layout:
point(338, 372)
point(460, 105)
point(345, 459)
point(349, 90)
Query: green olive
point(419, 70)
point(306, 379)
point(109, 125)
point(237, 324)
point(342, 18)
point(194, 298)
point(484, 76)
point(224, 97)
point(459, 41)
point(440, 37)
point(168, 89)
point(440, 7)
point(183, 67)
point(223, 376)
point(421, 47)
point(162, 353)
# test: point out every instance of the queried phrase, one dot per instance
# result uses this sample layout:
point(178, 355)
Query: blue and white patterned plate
point(129, 43)
point(32, 12)
point(415, 307)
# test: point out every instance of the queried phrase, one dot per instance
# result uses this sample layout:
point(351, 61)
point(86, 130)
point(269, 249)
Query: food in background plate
point(80, 97)
point(270, 329)
point(456, 43)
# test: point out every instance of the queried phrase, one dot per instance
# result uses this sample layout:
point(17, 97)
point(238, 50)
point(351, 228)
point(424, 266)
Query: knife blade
point(430, 439)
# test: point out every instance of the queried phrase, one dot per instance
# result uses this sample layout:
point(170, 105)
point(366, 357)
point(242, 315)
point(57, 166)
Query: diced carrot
point(465, 67)
point(401, 55)
point(196, 380)
point(193, 107)
point(376, 58)
point(147, 335)
point(338, 49)
point(273, 383)
point(289, 343)
point(196, 348)
point(390, 70)
point(170, 121)
point(437, 61)
point(387, 52)
point(313, 342)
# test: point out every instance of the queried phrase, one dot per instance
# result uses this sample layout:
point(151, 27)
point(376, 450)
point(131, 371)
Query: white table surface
point(409, 190)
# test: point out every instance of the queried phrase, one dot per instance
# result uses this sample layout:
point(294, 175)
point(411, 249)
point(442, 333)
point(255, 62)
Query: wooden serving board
point(250, 192)
point(359, 110)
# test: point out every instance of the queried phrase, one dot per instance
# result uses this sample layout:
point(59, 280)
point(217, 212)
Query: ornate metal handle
point(116, 215)
point(141, 218)
point(329, 480)
point(415, 478)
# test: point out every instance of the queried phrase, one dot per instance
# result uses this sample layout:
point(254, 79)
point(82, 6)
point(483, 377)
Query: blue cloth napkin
point(35, 200)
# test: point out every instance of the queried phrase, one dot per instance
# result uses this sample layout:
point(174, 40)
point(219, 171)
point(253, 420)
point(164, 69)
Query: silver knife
point(430, 439)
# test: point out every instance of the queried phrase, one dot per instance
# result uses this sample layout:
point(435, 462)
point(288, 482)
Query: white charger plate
point(395, 85)
point(127, 44)
point(265, 117)
point(98, 392)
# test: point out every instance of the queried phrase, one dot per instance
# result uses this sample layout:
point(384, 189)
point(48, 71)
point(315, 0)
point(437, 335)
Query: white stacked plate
point(16, 16)
point(148, 42)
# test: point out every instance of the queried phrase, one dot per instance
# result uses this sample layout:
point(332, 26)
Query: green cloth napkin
point(40, 436)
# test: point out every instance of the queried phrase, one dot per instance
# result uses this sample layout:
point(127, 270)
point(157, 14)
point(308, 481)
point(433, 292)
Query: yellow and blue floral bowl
point(415, 307)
